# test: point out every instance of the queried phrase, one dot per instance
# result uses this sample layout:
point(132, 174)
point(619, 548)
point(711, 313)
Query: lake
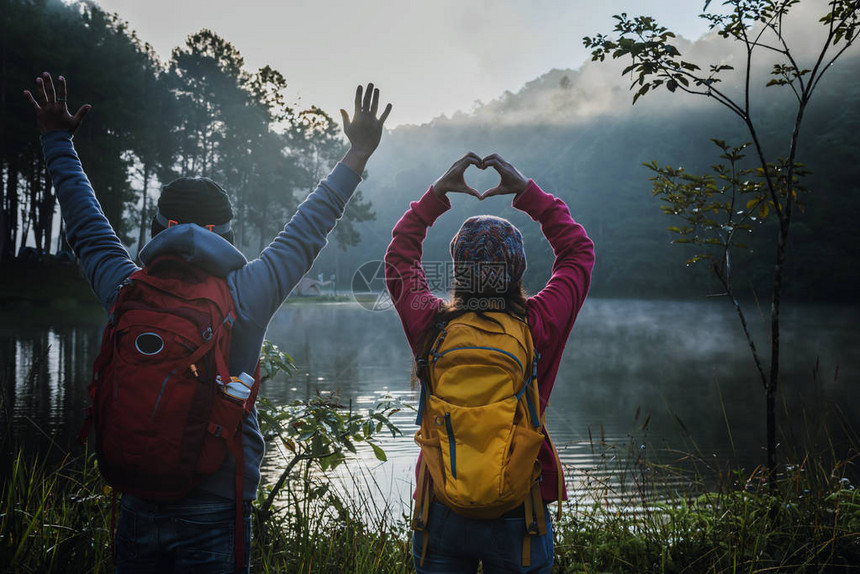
point(658, 378)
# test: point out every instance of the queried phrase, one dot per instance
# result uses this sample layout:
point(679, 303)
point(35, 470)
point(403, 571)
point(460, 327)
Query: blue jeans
point(456, 544)
point(192, 535)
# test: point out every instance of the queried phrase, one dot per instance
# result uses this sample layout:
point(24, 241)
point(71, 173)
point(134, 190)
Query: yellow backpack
point(481, 430)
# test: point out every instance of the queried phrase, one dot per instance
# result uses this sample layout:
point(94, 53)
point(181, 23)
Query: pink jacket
point(551, 312)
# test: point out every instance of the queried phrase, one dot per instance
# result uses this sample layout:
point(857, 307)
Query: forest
point(574, 131)
point(202, 112)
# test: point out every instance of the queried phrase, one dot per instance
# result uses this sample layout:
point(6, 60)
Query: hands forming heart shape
point(511, 181)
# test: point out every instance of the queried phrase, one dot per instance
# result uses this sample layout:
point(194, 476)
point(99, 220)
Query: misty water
point(657, 379)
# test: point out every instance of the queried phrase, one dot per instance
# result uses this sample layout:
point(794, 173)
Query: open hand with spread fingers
point(52, 113)
point(454, 181)
point(364, 129)
point(512, 181)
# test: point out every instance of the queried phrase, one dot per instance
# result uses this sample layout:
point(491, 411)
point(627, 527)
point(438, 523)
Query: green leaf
point(377, 450)
point(306, 435)
point(317, 447)
point(321, 490)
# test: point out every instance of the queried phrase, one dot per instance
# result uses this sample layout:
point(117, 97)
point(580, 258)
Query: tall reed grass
point(688, 515)
point(57, 518)
point(316, 528)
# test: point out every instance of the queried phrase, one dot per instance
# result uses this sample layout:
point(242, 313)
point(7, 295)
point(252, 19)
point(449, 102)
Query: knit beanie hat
point(194, 200)
point(488, 255)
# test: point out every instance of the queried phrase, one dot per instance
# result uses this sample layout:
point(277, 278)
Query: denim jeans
point(456, 544)
point(192, 535)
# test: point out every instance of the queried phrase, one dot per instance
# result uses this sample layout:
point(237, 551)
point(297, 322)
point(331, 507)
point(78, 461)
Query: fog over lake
point(677, 366)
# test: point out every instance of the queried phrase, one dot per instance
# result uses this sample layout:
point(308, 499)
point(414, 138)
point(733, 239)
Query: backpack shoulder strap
point(422, 367)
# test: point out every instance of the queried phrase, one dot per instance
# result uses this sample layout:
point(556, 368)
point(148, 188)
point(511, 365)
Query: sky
point(427, 57)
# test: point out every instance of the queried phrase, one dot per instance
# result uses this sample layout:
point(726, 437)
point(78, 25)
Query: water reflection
point(43, 386)
point(636, 375)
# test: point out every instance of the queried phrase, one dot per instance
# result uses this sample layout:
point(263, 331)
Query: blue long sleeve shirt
point(258, 287)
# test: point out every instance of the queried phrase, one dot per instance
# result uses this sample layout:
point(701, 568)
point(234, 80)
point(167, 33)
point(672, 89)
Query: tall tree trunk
point(10, 211)
point(773, 382)
point(784, 217)
point(50, 206)
point(4, 226)
point(240, 212)
point(26, 210)
point(43, 208)
point(61, 237)
point(4, 161)
point(144, 209)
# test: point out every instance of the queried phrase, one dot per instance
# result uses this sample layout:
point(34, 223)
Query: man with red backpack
point(192, 241)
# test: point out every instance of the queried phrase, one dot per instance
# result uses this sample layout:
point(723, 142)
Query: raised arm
point(405, 277)
point(104, 259)
point(559, 302)
point(264, 283)
point(556, 305)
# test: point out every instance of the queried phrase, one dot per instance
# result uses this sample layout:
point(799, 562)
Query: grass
point(808, 521)
point(56, 518)
point(313, 528)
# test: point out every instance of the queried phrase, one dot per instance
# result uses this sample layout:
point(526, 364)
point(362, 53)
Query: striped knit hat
point(488, 255)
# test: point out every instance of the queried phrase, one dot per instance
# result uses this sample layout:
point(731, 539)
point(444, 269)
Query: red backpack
point(162, 423)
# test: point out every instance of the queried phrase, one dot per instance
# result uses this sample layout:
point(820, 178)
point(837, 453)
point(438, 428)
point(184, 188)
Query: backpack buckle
point(215, 429)
point(207, 334)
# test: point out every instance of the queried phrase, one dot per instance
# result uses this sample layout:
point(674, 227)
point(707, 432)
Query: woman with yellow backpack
point(486, 362)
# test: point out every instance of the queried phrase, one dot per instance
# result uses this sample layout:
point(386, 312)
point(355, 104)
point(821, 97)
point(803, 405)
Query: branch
point(830, 34)
point(794, 65)
point(767, 47)
point(281, 480)
point(814, 83)
point(747, 74)
point(771, 188)
point(730, 294)
point(754, 134)
point(710, 93)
